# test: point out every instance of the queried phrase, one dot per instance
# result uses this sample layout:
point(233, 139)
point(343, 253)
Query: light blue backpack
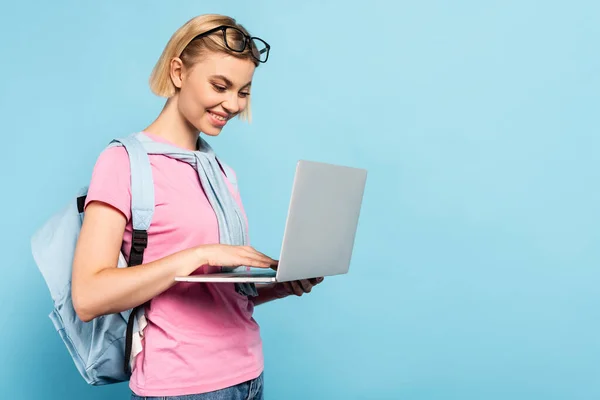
point(101, 349)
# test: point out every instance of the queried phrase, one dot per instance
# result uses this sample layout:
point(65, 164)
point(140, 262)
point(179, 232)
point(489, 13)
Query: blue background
point(476, 267)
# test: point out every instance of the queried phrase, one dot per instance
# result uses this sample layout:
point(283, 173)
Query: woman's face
point(213, 90)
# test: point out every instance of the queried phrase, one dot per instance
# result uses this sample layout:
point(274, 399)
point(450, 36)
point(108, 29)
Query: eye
point(244, 94)
point(219, 88)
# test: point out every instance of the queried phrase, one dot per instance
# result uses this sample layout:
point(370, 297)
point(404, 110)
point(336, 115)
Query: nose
point(232, 104)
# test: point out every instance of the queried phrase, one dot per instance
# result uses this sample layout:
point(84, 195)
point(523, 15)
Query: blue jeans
point(250, 390)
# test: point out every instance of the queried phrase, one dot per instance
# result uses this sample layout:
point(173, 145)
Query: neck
point(172, 126)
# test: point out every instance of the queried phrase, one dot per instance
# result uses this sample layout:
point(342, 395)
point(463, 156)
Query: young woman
point(200, 340)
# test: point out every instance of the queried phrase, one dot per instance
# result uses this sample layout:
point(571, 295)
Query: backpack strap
point(142, 210)
point(142, 196)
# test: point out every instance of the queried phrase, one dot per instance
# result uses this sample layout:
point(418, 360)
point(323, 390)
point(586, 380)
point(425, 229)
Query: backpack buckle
point(139, 241)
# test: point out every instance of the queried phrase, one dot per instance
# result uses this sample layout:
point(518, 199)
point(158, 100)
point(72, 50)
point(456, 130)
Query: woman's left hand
point(300, 287)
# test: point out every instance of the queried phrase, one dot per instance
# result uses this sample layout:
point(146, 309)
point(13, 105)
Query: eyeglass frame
point(247, 40)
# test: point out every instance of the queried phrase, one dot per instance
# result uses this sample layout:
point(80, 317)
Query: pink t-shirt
point(200, 336)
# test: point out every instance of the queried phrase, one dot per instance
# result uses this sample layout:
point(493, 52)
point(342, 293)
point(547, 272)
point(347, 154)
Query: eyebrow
point(228, 82)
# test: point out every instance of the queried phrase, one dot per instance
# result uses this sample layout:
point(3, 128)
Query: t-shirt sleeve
point(111, 180)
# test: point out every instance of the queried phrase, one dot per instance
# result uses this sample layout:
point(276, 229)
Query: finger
point(252, 262)
point(305, 285)
point(251, 252)
point(256, 252)
point(316, 281)
point(266, 262)
point(297, 289)
point(288, 287)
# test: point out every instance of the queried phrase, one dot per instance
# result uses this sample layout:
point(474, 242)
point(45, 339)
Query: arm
point(100, 288)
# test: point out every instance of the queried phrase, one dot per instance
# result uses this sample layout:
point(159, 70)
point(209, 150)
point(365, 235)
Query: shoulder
point(110, 181)
point(112, 162)
point(113, 155)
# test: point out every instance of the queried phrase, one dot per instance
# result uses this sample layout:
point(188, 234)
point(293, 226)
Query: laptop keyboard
point(259, 274)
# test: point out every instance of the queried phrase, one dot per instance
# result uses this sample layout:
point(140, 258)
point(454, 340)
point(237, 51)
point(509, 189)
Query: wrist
point(188, 261)
point(201, 255)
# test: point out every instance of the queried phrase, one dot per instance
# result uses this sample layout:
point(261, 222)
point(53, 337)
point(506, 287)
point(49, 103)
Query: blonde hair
point(179, 46)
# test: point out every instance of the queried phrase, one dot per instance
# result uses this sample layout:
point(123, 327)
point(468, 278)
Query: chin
point(210, 130)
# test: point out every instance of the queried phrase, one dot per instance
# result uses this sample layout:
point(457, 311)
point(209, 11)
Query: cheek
point(192, 102)
point(243, 102)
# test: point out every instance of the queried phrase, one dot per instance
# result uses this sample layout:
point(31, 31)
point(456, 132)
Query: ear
point(176, 72)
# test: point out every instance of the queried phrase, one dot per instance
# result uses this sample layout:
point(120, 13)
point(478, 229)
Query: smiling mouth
point(219, 117)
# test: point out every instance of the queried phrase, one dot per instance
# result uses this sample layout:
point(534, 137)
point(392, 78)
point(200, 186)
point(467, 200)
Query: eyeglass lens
point(236, 41)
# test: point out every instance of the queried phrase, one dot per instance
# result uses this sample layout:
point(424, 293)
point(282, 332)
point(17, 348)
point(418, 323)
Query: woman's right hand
point(224, 255)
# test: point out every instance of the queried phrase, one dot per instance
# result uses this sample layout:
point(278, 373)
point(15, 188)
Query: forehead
point(239, 71)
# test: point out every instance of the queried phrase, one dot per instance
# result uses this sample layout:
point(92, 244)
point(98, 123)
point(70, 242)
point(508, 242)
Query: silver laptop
point(320, 228)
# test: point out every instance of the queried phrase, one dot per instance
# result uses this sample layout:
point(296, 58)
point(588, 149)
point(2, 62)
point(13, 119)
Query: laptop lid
point(322, 221)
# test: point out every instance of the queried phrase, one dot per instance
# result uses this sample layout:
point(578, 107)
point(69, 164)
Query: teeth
point(218, 116)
